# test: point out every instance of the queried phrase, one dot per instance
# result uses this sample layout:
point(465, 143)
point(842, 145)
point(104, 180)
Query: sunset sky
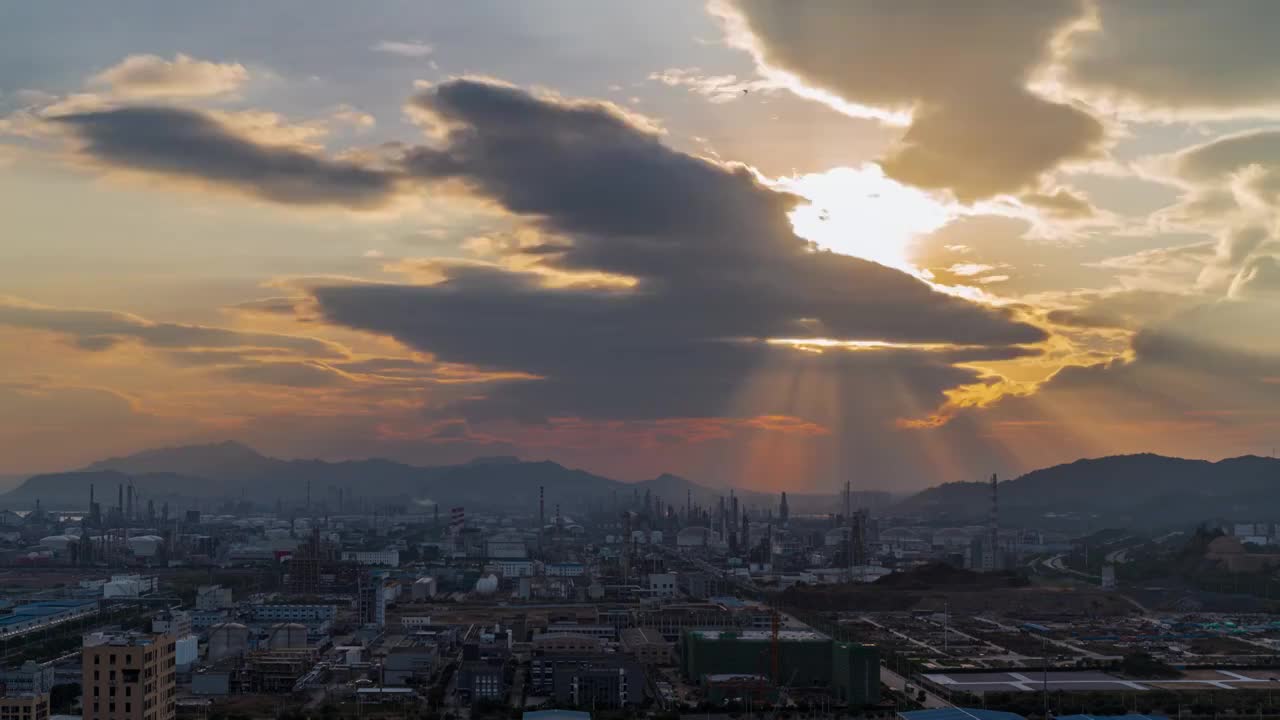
point(774, 244)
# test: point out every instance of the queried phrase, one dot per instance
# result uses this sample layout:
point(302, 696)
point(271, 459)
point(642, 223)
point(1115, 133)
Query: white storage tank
point(145, 545)
point(487, 585)
point(228, 640)
point(58, 543)
point(287, 635)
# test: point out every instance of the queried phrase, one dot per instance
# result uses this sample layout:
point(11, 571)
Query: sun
point(860, 212)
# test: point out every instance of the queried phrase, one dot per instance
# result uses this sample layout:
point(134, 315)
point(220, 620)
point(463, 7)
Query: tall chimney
point(993, 523)
point(542, 499)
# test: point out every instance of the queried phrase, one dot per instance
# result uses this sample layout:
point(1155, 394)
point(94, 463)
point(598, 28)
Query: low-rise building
point(479, 680)
point(567, 643)
point(292, 613)
point(173, 622)
point(648, 646)
point(565, 569)
point(35, 616)
point(24, 706)
point(412, 660)
point(602, 681)
point(385, 558)
point(662, 584)
point(602, 632)
point(213, 597)
point(32, 677)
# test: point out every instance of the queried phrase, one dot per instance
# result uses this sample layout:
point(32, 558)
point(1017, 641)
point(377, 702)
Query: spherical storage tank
point(288, 635)
point(145, 545)
point(227, 640)
point(487, 585)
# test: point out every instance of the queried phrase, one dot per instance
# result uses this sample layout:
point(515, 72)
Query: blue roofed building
point(35, 616)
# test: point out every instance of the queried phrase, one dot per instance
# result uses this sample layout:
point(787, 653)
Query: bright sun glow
point(860, 212)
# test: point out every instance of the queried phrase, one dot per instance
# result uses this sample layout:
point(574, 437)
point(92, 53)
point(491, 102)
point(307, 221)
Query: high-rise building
point(129, 676)
point(372, 600)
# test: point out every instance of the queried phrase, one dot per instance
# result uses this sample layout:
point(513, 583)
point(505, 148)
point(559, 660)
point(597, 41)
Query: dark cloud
point(961, 69)
point(1224, 57)
point(1223, 156)
point(1060, 203)
point(192, 145)
point(1123, 309)
point(100, 330)
point(717, 271)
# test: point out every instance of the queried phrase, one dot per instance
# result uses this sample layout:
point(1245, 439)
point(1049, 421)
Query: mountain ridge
point(198, 474)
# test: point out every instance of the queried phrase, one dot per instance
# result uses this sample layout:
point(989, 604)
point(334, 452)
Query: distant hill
point(1145, 490)
point(231, 470)
point(226, 459)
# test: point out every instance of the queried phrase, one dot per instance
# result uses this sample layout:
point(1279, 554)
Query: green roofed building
point(806, 659)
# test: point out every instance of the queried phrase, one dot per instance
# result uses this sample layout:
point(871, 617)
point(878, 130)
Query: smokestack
point(993, 529)
point(120, 497)
point(129, 510)
point(542, 498)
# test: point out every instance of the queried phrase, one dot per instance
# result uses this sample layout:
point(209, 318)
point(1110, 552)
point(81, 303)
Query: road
point(897, 682)
point(1056, 563)
point(1052, 641)
point(938, 651)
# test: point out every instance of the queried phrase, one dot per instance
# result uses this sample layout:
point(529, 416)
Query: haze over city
point(779, 246)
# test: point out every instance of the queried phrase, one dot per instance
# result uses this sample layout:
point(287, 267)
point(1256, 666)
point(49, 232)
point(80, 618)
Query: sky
point(763, 243)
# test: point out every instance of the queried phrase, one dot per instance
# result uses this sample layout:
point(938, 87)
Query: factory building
point(292, 613)
point(388, 558)
point(804, 659)
point(35, 616)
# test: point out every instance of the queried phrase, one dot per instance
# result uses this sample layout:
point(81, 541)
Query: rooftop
point(556, 715)
point(120, 639)
point(958, 713)
point(760, 635)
